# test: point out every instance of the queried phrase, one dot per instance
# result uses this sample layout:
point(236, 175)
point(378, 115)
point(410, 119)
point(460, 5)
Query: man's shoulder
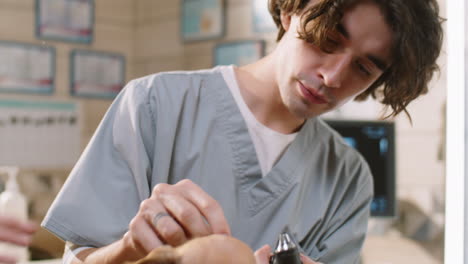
point(172, 78)
point(174, 84)
point(337, 149)
point(332, 138)
point(345, 158)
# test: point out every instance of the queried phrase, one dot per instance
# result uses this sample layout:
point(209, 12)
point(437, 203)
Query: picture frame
point(238, 53)
point(96, 74)
point(202, 19)
point(40, 134)
point(27, 68)
point(65, 20)
point(261, 18)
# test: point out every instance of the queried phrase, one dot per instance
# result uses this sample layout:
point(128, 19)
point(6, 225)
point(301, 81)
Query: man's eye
point(363, 69)
point(332, 42)
point(330, 45)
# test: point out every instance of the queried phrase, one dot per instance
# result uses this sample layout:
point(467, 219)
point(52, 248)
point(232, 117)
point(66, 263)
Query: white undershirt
point(269, 144)
point(70, 252)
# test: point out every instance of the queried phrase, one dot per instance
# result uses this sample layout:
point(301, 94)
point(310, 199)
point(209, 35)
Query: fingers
point(166, 228)
point(174, 214)
point(14, 236)
point(7, 260)
point(307, 260)
point(15, 231)
point(23, 226)
point(169, 230)
point(142, 236)
point(187, 215)
point(262, 255)
point(208, 206)
point(198, 205)
point(148, 230)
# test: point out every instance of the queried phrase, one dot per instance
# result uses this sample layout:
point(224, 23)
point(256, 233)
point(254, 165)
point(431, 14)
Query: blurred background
point(63, 61)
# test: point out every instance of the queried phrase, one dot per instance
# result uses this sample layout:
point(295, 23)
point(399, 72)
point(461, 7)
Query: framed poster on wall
point(26, 68)
point(40, 134)
point(65, 20)
point(96, 74)
point(238, 53)
point(202, 19)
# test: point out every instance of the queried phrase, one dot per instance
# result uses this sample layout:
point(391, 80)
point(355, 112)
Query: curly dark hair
point(418, 37)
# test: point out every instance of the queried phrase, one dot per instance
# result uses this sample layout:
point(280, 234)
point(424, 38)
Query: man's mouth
point(312, 95)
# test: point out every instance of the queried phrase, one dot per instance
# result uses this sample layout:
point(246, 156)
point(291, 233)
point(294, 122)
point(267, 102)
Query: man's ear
point(285, 20)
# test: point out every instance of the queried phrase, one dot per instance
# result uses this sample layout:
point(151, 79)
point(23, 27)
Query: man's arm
point(113, 253)
point(108, 194)
point(342, 242)
point(75, 254)
point(189, 213)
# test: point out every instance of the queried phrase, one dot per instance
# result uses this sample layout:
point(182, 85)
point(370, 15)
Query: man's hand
point(262, 256)
point(172, 215)
point(15, 232)
point(307, 260)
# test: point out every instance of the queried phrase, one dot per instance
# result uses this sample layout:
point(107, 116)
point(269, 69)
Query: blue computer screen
point(375, 140)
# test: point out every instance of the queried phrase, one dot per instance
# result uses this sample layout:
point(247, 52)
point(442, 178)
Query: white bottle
point(13, 204)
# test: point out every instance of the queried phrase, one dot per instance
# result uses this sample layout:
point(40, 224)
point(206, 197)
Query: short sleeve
point(342, 241)
point(103, 192)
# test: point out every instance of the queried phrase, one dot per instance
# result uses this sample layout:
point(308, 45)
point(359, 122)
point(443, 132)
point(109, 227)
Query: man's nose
point(335, 68)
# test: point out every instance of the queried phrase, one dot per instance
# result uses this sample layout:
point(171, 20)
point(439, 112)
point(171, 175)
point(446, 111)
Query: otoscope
point(286, 251)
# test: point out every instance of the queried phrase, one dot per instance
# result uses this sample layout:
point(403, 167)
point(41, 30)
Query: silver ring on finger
point(158, 216)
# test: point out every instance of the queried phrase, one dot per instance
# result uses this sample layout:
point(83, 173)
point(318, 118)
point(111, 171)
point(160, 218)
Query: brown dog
point(213, 249)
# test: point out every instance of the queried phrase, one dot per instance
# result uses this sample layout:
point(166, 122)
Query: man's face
point(313, 81)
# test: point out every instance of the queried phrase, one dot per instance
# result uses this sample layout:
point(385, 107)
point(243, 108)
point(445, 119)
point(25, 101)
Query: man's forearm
point(112, 254)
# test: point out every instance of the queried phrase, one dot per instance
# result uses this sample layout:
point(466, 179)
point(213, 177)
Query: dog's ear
point(215, 249)
point(161, 255)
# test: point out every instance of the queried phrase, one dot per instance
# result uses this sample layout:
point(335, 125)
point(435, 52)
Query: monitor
point(375, 140)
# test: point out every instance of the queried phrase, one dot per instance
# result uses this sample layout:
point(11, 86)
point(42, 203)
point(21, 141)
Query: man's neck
point(260, 91)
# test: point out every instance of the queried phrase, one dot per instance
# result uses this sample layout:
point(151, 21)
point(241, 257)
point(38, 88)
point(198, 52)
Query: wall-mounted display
point(238, 53)
point(202, 19)
point(96, 74)
point(262, 20)
point(26, 68)
point(375, 141)
point(65, 20)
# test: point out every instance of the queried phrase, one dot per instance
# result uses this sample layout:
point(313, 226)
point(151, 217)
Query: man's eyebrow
point(380, 63)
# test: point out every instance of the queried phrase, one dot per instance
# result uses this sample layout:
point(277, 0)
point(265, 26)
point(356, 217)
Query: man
point(241, 151)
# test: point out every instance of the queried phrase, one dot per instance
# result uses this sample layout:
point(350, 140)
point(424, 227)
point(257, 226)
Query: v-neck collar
point(259, 191)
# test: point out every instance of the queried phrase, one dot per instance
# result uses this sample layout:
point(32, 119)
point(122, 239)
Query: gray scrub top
point(186, 125)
